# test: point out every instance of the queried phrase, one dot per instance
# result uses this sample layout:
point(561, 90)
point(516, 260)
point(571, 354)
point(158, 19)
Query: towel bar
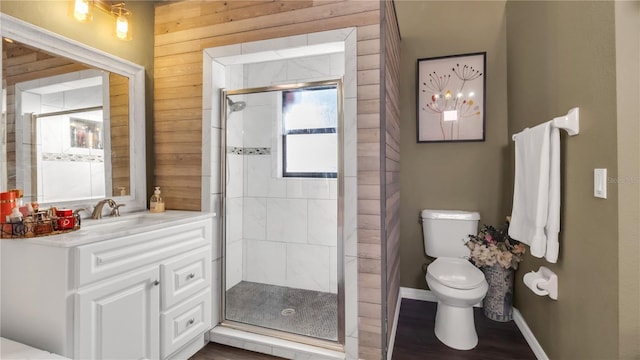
point(569, 122)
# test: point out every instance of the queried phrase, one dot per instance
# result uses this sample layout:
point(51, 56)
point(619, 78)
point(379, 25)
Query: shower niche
point(282, 195)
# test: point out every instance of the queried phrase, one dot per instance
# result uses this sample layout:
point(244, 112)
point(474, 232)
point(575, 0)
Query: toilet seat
point(455, 273)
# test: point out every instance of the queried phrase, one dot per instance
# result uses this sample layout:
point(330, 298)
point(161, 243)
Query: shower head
point(236, 106)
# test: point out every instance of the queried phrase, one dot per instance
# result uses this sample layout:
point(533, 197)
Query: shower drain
point(288, 312)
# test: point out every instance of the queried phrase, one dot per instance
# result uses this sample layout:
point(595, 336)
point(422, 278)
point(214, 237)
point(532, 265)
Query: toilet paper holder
point(542, 282)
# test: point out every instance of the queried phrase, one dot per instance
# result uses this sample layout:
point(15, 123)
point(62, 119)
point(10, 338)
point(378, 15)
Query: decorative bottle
point(156, 204)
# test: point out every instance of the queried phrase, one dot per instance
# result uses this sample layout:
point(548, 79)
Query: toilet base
point(455, 326)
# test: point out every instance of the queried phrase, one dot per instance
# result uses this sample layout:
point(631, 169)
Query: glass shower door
point(282, 209)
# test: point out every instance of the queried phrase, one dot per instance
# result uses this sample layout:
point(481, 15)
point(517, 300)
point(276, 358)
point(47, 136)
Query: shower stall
point(282, 191)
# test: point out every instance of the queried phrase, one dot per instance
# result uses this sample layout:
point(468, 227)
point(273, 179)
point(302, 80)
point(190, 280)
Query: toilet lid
point(456, 273)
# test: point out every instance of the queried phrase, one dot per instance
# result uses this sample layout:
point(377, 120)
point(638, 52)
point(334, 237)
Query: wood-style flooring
point(415, 339)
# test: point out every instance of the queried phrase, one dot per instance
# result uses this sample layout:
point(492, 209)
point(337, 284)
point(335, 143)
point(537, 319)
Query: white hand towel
point(531, 191)
point(552, 227)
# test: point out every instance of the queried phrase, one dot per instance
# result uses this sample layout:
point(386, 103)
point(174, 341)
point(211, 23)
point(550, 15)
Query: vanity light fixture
point(123, 25)
point(83, 12)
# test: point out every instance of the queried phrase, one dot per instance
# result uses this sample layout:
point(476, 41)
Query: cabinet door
point(119, 318)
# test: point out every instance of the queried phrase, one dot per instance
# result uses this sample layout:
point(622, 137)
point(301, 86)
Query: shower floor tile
point(298, 311)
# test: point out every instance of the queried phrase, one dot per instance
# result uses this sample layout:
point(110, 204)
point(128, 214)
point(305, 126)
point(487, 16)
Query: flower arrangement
point(493, 246)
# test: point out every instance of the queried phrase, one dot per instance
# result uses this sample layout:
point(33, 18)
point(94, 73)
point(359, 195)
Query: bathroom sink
point(126, 221)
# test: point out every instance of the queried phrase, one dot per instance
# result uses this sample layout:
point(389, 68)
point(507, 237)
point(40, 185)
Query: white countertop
point(113, 227)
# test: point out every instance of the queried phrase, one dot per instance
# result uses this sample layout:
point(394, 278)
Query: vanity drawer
point(185, 321)
point(185, 275)
point(107, 258)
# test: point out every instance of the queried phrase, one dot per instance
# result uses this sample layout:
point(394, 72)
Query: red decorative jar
point(7, 203)
point(66, 221)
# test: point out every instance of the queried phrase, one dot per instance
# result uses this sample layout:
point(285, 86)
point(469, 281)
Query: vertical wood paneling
point(184, 29)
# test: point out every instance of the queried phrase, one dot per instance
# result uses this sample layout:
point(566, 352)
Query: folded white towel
point(535, 218)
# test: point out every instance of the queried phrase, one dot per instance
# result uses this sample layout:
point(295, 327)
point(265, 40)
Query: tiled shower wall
point(280, 231)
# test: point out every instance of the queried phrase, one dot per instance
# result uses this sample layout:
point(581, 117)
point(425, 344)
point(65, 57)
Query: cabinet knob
point(190, 322)
point(156, 283)
point(191, 276)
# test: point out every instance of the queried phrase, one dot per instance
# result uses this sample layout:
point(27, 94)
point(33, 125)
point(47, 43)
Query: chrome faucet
point(97, 210)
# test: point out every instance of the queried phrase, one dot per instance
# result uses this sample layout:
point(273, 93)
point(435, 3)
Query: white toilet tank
point(446, 231)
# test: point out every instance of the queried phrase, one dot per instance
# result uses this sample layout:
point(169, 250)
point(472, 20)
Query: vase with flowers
point(497, 255)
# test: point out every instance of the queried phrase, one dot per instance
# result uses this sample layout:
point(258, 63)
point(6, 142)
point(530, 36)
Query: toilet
point(455, 282)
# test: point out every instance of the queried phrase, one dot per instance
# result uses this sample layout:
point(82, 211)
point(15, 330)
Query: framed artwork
point(450, 98)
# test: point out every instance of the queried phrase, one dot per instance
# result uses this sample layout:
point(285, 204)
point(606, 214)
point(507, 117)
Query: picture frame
point(450, 98)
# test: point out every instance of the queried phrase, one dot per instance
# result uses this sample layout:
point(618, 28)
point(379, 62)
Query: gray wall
point(466, 176)
point(55, 15)
point(628, 93)
point(561, 55)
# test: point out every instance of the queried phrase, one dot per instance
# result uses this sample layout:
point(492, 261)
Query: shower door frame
point(308, 340)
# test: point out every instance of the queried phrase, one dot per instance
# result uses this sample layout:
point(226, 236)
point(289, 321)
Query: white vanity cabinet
point(138, 294)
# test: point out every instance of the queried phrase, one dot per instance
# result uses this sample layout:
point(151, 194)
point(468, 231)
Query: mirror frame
point(46, 40)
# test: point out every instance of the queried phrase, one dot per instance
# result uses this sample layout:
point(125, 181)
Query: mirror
point(69, 117)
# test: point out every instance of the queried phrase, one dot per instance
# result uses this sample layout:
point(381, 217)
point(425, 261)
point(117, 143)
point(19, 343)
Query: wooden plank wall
point(369, 198)
point(120, 150)
point(184, 29)
point(392, 161)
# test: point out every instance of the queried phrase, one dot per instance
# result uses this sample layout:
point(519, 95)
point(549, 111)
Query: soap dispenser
point(156, 204)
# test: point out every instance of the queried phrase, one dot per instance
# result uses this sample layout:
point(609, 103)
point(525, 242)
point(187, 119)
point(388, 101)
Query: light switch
point(600, 183)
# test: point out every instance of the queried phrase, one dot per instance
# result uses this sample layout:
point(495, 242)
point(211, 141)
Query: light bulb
point(82, 10)
point(122, 27)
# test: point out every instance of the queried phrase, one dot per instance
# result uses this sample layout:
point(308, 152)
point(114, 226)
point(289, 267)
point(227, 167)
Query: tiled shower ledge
point(272, 346)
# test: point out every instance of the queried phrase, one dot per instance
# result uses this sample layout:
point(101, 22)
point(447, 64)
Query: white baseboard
point(417, 294)
point(528, 335)
point(394, 327)
point(426, 295)
point(423, 295)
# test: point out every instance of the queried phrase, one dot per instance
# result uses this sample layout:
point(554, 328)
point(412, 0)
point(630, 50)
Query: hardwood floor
point(415, 340)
